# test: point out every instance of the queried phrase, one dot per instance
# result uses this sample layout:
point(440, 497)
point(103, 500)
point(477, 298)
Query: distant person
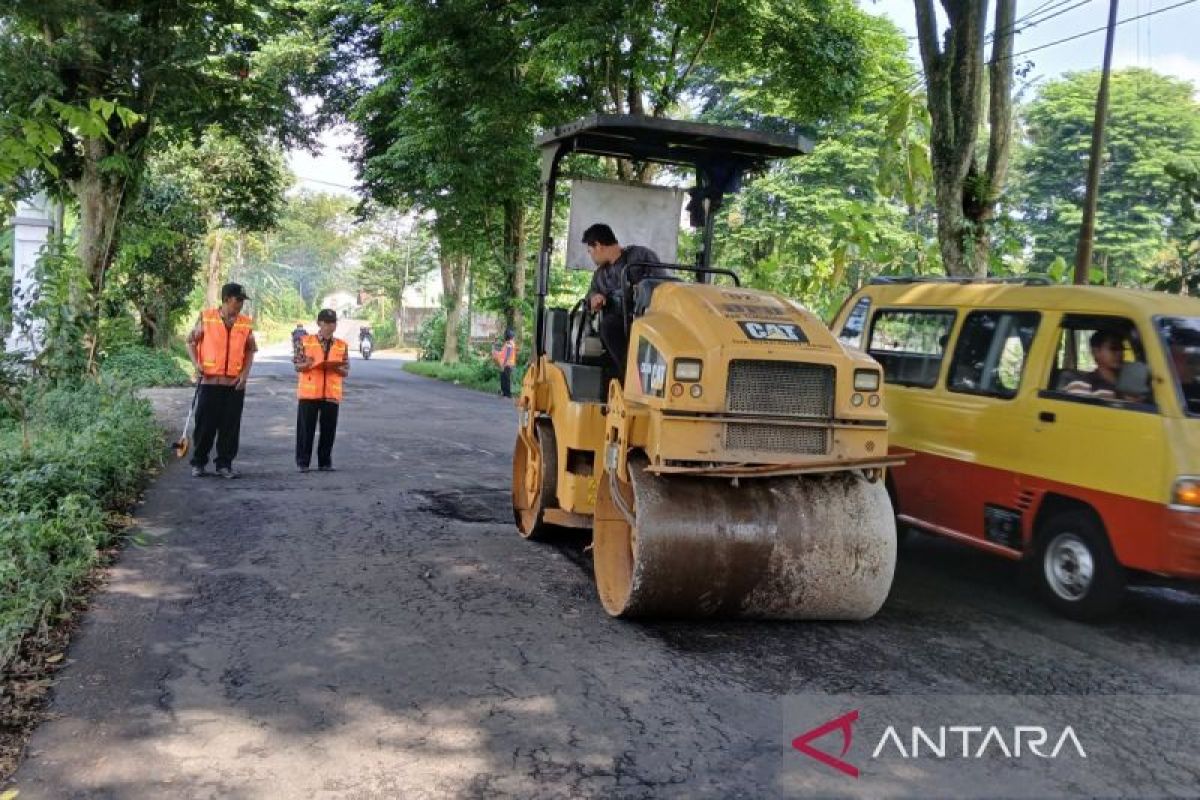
point(298, 333)
point(321, 363)
point(222, 347)
point(505, 357)
point(605, 291)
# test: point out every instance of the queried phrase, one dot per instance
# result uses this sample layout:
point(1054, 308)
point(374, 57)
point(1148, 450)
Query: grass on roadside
point(482, 375)
point(145, 366)
point(90, 447)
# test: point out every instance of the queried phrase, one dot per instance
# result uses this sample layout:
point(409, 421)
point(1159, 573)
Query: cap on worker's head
point(327, 315)
point(508, 333)
point(233, 290)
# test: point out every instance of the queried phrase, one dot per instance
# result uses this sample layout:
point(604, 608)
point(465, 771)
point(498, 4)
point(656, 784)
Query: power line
point(1102, 28)
point(326, 183)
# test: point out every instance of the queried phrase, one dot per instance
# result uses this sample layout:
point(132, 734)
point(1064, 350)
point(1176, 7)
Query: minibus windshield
point(1181, 338)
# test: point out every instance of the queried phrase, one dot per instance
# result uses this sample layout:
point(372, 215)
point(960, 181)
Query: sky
point(1166, 40)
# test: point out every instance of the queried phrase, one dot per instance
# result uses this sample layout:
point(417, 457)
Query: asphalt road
point(382, 631)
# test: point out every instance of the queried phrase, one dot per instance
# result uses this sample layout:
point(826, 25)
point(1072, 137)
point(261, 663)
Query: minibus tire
point(1064, 540)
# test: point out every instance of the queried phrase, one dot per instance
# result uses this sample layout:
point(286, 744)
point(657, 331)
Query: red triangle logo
point(844, 724)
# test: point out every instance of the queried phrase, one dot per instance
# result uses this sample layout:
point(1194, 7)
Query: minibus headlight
point(1186, 493)
point(687, 369)
point(866, 380)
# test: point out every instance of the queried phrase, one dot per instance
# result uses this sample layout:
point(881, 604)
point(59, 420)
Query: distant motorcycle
point(366, 343)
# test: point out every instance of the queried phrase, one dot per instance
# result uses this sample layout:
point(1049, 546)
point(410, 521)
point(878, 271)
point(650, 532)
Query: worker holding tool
point(222, 348)
point(505, 357)
point(321, 361)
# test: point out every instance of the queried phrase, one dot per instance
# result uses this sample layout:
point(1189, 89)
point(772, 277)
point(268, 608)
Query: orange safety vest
point(319, 383)
point(223, 350)
point(506, 356)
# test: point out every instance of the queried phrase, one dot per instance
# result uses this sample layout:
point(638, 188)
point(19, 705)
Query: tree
point(400, 255)
point(1152, 121)
point(307, 251)
point(115, 74)
point(159, 258)
point(1185, 227)
point(454, 92)
point(967, 191)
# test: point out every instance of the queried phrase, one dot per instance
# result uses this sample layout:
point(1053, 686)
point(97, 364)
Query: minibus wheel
point(1078, 574)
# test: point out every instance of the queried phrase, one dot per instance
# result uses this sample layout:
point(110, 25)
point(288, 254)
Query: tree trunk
point(514, 262)
point(966, 192)
point(100, 197)
point(212, 272)
point(454, 278)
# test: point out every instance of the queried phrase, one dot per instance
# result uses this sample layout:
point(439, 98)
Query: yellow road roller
point(735, 468)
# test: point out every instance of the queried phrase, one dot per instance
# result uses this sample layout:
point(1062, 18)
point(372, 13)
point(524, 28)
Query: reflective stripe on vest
point(319, 383)
point(223, 350)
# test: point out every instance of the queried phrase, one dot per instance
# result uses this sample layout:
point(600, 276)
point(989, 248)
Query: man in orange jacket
point(222, 348)
point(506, 358)
point(321, 361)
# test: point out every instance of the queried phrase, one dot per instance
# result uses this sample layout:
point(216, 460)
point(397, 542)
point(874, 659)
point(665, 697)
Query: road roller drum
point(800, 547)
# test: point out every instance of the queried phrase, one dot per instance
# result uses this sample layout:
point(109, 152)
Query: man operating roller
point(605, 292)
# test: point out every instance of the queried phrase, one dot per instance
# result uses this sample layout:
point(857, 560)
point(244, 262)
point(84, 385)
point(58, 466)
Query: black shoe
point(326, 468)
point(302, 467)
point(198, 472)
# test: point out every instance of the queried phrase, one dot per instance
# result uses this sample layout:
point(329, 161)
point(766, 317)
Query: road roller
point(735, 468)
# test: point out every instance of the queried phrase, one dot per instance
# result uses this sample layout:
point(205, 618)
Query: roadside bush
point(479, 373)
point(144, 366)
point(89, 448)
point(431, 337)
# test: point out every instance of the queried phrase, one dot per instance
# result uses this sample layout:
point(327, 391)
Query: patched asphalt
point(382, 631)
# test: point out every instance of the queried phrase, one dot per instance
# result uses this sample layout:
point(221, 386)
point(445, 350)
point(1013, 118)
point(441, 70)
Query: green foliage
point(159, 256)
point(477, 373)
point(304, 254)
point(62, 312)
point(431, 337)
point(145, 366)
point(89, 447)
point(1152, 121)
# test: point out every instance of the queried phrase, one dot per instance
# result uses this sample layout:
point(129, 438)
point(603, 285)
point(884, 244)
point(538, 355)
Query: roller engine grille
point(776, 438)
point(780, 388)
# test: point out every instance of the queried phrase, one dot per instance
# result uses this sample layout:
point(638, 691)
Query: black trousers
point(506, 382)
point(218, 417)
point(309, 415)
point(616, 341)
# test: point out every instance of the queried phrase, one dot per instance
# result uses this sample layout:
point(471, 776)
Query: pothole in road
point(470, 505)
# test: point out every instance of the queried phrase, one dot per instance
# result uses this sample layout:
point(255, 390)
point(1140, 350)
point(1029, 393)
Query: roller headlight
point(688, 369)
point(866, 380)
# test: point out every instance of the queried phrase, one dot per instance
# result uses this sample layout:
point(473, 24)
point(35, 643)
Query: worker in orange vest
point(222, 348)
point(506, 358)
point(321, 361)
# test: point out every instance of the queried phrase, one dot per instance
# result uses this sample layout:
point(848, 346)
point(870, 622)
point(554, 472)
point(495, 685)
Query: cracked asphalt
point(382, 631)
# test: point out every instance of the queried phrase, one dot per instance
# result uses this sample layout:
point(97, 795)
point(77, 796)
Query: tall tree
point(966, 190)
point(1152, 121)
point(1185, 227)
point(159, 256)
point(167, 68)
point(400, 254)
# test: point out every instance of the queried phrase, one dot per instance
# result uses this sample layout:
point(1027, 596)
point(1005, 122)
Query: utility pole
point(1087, 229)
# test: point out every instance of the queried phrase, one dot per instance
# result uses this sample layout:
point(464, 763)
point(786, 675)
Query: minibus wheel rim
point(1069, 567)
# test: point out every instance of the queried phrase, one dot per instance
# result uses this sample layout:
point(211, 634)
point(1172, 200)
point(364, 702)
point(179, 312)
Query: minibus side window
point(855, 324)
point(989, 357)
point(1101, 361)
point(910, 344)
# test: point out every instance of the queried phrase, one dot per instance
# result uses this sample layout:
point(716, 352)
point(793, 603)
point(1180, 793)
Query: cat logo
point(774, 332)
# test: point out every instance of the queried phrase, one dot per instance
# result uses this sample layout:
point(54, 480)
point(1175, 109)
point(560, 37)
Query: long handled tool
point(182, 446)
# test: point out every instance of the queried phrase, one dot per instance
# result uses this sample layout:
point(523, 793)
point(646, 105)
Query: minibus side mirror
point(1134, 381)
